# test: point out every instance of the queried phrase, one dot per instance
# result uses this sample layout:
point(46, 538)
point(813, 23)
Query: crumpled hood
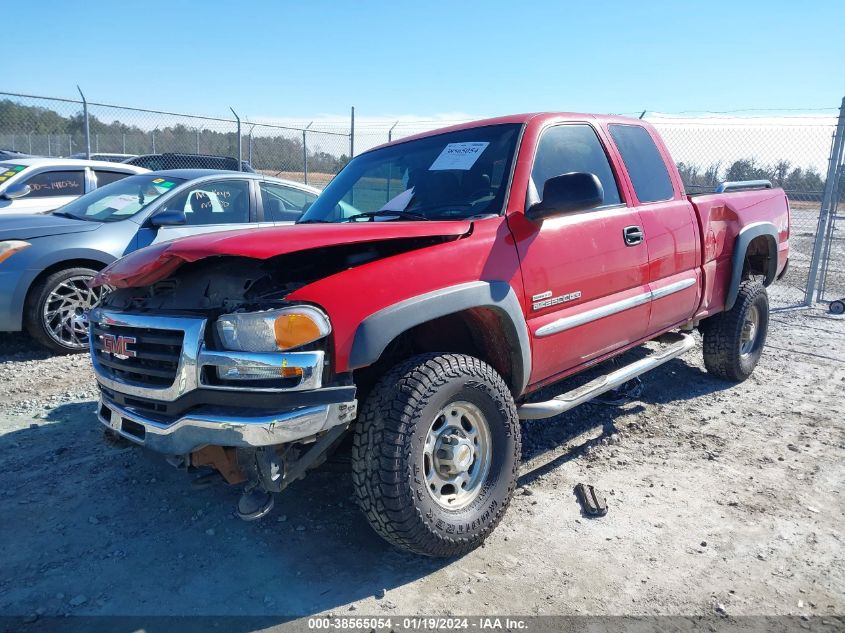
point(149, 265)
point(25, 226)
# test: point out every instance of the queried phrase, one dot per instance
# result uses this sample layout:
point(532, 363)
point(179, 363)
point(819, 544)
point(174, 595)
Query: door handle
point(633, 235)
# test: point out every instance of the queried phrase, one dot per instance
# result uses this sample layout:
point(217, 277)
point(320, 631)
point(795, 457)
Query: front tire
point(734, 340)
point(435, 454)
point(56, 310)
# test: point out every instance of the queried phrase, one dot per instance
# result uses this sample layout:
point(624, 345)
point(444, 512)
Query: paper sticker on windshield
point(458, 156)
point(166, 184)
point(119, 202)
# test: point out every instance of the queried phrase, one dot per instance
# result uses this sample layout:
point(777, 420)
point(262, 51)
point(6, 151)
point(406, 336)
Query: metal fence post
point(352, 134)
point(390, 132)
point(828, 239)
point(305, 152)
point(826, 210)
point(124, 142)
point(240, 140)
point(153, 133)
point(87, 126)
point(251, 130)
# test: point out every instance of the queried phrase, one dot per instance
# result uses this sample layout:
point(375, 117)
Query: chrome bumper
point(205, 425)
point(198, 429)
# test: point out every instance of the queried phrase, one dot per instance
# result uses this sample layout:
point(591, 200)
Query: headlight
point(10, 247)
point(272, 330)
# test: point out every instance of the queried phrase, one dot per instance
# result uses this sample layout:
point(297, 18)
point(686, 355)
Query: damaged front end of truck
point(200, 355)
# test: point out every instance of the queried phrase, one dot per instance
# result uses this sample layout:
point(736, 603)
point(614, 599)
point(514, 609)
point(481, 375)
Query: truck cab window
point(567, 148)
point(644, 163)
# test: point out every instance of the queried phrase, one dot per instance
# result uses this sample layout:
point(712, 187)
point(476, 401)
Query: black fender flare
point(376, 332)
point(746, 235)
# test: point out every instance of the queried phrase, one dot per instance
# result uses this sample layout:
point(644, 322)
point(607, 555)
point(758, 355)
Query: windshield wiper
point(310, 221)
point(405, 215)
point(64, 214)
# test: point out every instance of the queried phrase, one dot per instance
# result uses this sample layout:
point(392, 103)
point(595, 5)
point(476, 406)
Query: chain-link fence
point(308, 155)
point(791, 151)
point(156, 139)
point(794, 152)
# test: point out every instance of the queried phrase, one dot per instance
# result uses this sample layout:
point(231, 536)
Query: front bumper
point(203, 428)
point(173, 406)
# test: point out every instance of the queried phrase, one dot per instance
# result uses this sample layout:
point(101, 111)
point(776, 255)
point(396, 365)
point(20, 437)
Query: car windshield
point(448, 176)
point(119, 200)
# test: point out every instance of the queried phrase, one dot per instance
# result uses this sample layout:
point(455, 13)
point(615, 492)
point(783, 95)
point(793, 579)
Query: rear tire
point(435, 454)
point(56, 310)
point(734, 340)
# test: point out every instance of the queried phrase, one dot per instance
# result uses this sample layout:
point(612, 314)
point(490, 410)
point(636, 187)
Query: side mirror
point(575, 191)
point(169, 217)
point(17, 191)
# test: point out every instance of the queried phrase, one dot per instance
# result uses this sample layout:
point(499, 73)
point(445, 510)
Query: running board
point(676, 345)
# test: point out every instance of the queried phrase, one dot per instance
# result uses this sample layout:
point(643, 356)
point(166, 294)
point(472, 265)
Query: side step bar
point(676, 345)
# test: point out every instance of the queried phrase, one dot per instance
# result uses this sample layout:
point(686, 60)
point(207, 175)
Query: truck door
point(669, 225)
point(584, 273)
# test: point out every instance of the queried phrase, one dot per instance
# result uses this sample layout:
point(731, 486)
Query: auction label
point(461, 156)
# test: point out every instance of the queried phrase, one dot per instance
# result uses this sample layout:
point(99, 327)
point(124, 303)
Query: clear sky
point(429, 58)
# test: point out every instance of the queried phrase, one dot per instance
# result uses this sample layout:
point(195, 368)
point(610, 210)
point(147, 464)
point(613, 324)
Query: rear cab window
point(572, 148)
point(644, 163)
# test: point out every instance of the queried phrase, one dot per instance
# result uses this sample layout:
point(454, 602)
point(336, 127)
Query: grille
point(156, 358)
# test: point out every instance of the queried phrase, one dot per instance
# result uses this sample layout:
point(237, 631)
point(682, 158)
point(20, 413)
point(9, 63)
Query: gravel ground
point(722, 499)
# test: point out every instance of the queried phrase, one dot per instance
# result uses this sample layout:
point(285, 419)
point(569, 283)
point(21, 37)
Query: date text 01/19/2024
point(417, 623)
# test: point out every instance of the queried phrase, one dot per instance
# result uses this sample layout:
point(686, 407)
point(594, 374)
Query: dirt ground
point(722, 499)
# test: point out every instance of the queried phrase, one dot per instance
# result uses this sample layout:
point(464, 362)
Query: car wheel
point(56, 310)
point(734, 340)
point(837, 307)
point(435, 454)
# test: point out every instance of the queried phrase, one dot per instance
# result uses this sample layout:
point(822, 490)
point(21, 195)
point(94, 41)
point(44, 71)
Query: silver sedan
point(47, 260)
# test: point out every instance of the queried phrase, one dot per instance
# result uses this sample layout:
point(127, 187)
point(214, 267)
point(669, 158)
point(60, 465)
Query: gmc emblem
point(118, 345)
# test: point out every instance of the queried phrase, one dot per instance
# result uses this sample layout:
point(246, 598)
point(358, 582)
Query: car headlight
point(272, 330)
point(10, 247)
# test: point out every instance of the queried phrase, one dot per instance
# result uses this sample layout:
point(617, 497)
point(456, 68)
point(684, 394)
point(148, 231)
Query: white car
point(37, 185)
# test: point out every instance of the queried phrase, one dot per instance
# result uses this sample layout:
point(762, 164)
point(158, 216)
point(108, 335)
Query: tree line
point(269, 151)
point(800, 183)
point(284, 153)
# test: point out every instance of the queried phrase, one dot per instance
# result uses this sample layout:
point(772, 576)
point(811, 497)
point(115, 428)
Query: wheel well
point(477, 332)
point(757, 258)
point(62, 265)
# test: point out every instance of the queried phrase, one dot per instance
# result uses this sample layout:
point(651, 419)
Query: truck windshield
point(119, 200)
point(448, 176)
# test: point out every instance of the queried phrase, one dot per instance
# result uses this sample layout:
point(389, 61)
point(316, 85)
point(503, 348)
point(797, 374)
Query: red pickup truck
point(438, 281)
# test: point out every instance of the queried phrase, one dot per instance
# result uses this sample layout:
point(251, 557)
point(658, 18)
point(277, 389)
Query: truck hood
point(24, 226)
point(149, 265)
